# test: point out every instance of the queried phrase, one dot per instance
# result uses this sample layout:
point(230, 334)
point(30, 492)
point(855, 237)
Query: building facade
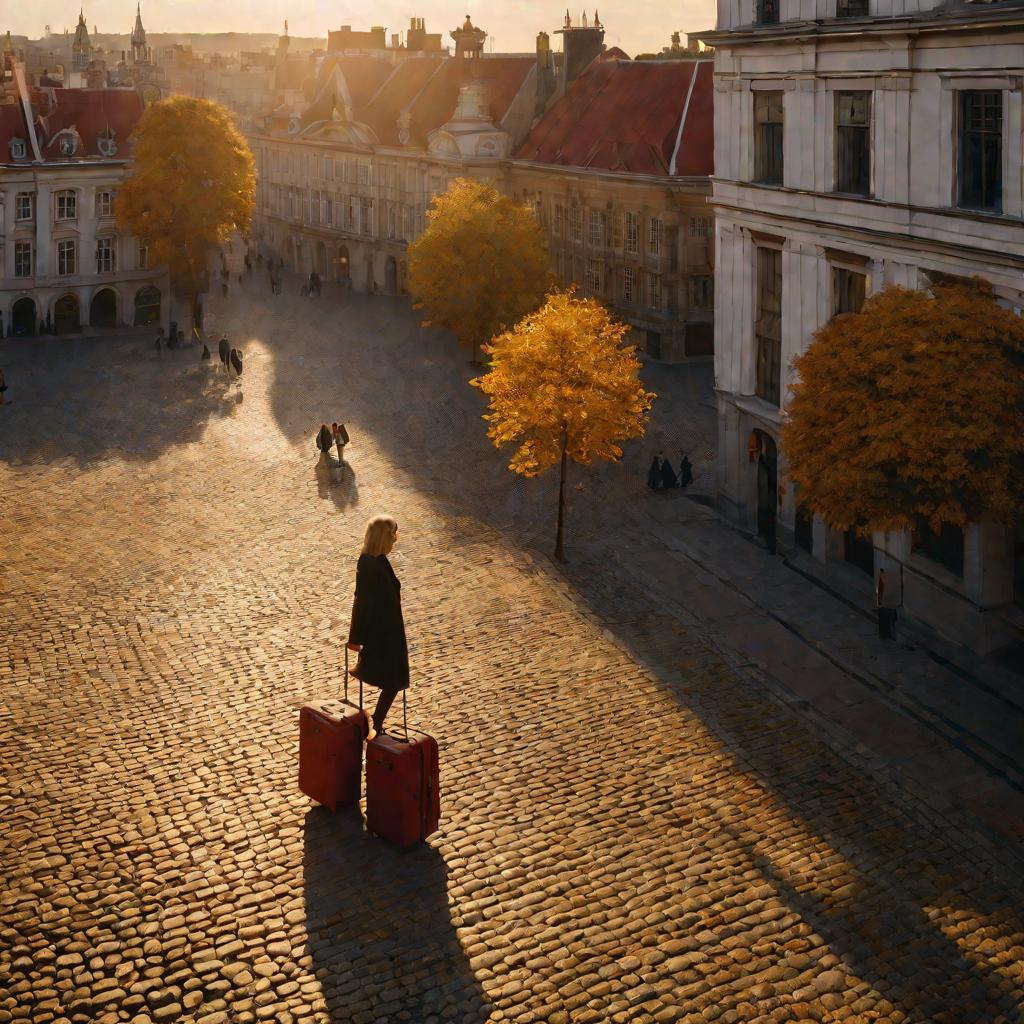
point(618, 172)
point(859, 144)
point(65, 264)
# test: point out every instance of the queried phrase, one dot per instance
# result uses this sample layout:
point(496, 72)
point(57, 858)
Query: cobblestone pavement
point(631, 832)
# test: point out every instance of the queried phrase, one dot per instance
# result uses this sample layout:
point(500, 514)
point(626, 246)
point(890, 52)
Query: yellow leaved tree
point(192, 183)
point(481, 265)
point(911, 411)
point(563, 386)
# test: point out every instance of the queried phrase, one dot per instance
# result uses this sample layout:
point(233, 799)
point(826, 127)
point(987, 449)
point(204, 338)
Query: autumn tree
point(563, 386)
point(192, 183)
point(481, 265)
point(911, 411)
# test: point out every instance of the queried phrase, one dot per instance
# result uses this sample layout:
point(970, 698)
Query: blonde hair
point(379, 530)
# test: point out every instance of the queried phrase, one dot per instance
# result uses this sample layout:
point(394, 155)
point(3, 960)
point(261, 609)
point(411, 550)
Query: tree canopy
point(563, 386)
point(912, 411)
point(481, 265)
point(192, 183)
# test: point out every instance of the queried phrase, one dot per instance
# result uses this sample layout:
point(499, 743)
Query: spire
point(8, 45)
point(138, 33)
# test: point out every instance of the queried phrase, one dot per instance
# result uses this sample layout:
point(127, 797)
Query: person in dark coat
point(324, 440)
point(685, 472)
point(159, 339)
point(668, 475)
point(377, 631)
point(654, 474)
point(224, 350)
point(236, 361)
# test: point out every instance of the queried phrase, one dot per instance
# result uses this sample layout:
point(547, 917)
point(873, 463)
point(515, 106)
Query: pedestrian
point(654, 473)
point(886, 611)
point(224, 350)
point(3, 386)
point(224, 289)
point(206, 352)
point(668, 475)
point(340, 439)
point(236, 361)
point(685, 472)
point(377, 630)
point(158, 344)
point(324, 440)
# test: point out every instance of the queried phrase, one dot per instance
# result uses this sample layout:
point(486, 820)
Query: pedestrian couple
point(314, 284)
point(229, 357)
point(335, 435)
point(661, 476)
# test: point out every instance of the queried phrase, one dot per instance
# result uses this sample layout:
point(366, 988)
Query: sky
point(634, 25)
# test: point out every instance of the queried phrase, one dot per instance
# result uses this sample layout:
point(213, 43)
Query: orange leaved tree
point(481, 265)
point(910, 411)
point(563, 386)
point(192, 182)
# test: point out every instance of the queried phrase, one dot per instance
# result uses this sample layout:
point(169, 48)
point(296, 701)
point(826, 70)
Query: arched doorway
point(23, 318)
point(66, 319)
point(103, 309)
point(767, 486)
point(147, 306)
point(321, 259)
point(342, 270)
point(390, 276)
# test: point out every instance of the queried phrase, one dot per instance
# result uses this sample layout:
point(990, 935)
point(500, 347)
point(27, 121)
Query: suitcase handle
point(360, 684)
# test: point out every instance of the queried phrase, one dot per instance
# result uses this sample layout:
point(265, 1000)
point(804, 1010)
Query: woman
point(377, 631)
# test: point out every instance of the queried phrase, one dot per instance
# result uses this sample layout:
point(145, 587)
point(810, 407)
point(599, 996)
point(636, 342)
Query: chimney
point(545, 73)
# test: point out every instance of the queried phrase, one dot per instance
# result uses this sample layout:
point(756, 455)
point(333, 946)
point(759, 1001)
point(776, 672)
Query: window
point(629, 284)
point(768, 325)
point(853, 142)
point(981, 150)
point(576, 222)
point(392, 220)
point(67, 205)
point(407, 223)
point(559, 264)
point(654, 291)
point(848, 288)
point(700, 227)
point(597, 228)
point(366, 217)
point(632, 233)
point(594, 276)
point(559, 220)
point(363, 171)
point(702, 292)
point(768, 137)
point(852, 8)
point(654, 237)
point(106, 256)
point(314, 207)
point(767, 12)
point(67, 253)
point(22, 259)
point(143, 256)
point(946, 546)
point(104, 204)
point(23, 206)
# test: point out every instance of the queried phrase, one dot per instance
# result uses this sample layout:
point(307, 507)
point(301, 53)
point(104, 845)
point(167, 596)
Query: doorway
point(342, 270)
point(103, 309)
point(23, 318)
point(66, 319)
point(390, 275)
point(767, 487)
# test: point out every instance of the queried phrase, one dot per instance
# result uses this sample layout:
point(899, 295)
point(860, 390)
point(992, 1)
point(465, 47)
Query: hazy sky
point(634, 25)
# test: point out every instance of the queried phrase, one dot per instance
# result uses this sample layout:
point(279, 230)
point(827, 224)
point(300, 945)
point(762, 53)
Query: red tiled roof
point(429, 89)
point(364, 75)
point(90, 112)
point(12, 126)
point(623, 115)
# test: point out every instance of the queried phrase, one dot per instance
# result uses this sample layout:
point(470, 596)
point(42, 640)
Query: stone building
point(348, 164)
point(618, 173)
point(861, 143)
point(63, 155)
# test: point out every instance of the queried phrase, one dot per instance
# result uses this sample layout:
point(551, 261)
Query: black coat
point(377, 624)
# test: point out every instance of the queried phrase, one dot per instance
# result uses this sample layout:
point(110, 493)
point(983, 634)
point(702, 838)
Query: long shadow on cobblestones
point(53, 417)
point(380, 928)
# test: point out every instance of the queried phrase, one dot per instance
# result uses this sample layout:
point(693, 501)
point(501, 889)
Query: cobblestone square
point(630, 831)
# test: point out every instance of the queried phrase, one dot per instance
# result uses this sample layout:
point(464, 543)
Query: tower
point(140, 52)
point(469, 41)
point(81, 48)
point(582, 43)
point(283, 43)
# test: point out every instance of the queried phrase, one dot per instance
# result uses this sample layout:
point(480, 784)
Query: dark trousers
point(380, 712)
point(886, 620)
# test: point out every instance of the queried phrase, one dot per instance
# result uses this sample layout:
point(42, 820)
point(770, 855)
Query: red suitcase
point(331, 736)
point(403, 801)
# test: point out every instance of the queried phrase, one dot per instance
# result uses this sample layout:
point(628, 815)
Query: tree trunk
point(559, 533)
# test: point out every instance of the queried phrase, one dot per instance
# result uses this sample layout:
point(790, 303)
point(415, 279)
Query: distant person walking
point(224, 351)
point(668, 475)
point(654, 474)
point(377, 631)
point(685, 472)
point(884, 605)
point(236, 361)
point(324, 441)
point(340, 435)
point(159, 342)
